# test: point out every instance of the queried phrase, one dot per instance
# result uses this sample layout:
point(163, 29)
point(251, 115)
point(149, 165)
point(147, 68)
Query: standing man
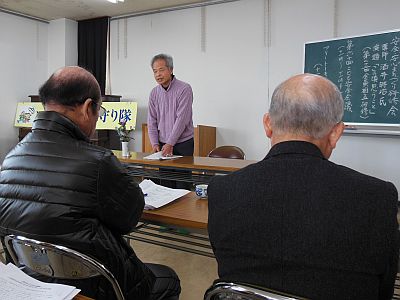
point(170, 117)
point(57, 187)
point(170, 123)
point(295, 221)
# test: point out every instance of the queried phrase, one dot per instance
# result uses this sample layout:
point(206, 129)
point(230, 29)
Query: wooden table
point(81, 297)
point(180, 225)
point(195, 170)
point(188, 214)
point(188, 211)
point(220, 165)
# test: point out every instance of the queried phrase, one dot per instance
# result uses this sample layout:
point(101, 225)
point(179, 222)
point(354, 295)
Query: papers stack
point(159, 156)
point(156, 195)
point(16, 285)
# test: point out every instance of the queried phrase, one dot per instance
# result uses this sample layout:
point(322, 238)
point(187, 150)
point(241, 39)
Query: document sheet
point(16, 285)
point(159, 156)
point(158, 195)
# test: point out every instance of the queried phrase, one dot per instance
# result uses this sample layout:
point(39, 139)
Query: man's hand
point(167, 150)
point(156, 148)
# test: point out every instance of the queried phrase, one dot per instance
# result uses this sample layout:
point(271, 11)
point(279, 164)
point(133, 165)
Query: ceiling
point(87, 9)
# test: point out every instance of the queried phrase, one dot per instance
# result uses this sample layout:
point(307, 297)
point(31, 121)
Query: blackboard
point(366, 71)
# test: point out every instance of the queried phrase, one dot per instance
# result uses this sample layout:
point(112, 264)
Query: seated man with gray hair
point(297, 222)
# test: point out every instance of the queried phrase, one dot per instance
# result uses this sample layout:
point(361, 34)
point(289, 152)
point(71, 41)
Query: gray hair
point(306, 104)
point(167, 58)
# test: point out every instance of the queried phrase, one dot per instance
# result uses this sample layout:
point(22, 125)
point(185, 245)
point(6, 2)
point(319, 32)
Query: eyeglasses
point(102, 111)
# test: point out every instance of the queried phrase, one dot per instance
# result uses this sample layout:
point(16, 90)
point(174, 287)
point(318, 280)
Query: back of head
point(70, 86)
point(306, 105)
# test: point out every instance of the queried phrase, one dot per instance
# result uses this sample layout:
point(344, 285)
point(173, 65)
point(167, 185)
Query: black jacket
point(298, 223)
point(56, 187)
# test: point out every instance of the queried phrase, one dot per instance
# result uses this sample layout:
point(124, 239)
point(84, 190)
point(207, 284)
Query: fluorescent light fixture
point(115, 1)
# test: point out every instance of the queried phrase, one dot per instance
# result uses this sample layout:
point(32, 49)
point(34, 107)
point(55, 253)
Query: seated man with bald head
point(57, 187)
point(297, 222)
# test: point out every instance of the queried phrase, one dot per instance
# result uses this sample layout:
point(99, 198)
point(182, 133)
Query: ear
point(86, 109)
point(267, 125)
point(335, 134)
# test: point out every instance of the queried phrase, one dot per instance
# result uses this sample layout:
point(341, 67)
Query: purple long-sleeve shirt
point(170, 117)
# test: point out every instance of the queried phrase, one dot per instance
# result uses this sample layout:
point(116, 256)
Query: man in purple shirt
point(169, 120)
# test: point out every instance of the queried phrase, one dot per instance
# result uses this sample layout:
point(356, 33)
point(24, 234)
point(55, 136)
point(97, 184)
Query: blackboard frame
point(354, 121)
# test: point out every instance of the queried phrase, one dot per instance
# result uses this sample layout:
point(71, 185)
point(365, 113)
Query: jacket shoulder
point(361, 180)
point(243, 175)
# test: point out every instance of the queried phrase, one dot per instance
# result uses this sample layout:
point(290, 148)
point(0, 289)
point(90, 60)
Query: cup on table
point(201, 190)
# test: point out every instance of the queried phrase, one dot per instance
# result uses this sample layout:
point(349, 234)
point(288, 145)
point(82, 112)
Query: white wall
point(23, 63)
point(234, 78)
point(63, 44)
point(71, 43)
point(314, 20)
point(374, 155)
point(358, 17)
point(29, 51)
point(56, 45)
point(229, 79)
point(292, 24)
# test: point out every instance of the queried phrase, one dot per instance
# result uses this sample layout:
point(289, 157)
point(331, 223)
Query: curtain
point(92, 47)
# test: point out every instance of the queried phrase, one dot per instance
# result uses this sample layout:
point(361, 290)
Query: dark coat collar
point(53, 121)
point(295, 147)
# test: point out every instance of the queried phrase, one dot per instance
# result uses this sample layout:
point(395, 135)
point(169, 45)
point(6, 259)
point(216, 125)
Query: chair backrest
point(236, 291)
point(57, 261)
point(227, 152)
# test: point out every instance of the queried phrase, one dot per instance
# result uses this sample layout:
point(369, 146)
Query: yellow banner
point(115, 113)
point(26, 113)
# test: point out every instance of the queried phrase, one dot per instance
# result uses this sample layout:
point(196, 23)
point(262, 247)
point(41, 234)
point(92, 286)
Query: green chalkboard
point(366, 71)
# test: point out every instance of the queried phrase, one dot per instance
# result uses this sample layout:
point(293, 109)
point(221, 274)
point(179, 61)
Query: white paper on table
point(158, 156)
point(158, 195)
point(16, 285)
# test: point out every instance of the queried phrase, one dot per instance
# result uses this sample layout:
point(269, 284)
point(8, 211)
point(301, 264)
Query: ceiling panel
point(87, 9)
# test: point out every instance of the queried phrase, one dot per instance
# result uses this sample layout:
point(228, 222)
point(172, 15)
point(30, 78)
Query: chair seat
point(57, 261)
point(242, 291)
point(233, 152)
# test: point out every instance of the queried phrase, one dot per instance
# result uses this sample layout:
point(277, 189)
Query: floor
point(196, 272)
